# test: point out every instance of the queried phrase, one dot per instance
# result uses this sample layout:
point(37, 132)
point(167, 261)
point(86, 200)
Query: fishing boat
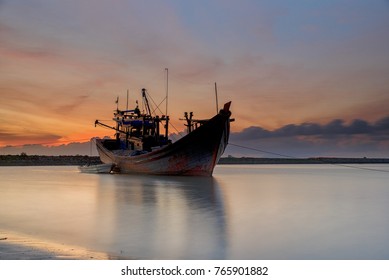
point(141, 144)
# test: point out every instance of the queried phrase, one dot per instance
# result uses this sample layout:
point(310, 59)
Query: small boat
point(97, 168)
point(141, 144)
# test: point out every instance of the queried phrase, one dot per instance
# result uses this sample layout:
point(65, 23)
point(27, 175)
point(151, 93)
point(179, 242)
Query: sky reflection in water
point(243, 212)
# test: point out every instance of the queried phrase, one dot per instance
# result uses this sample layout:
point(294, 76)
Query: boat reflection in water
point(159, 217)
point(245, 212)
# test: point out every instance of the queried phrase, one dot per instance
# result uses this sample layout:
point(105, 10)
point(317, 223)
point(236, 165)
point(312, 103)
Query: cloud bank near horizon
point(358, 138)
point(75, 148)
point(378, 130)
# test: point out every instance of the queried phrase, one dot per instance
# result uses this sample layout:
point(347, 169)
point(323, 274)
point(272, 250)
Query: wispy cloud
point(75, 103)
point(15, 139)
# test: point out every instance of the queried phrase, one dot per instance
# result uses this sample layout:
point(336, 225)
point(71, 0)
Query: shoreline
point(312, 160)
point(78, 160)
point(17, 246)
point(37, 160)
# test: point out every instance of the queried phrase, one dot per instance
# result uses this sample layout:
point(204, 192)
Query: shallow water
point(243, 212)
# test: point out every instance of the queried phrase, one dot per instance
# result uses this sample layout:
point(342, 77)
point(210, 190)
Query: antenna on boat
point(127, 101)
point(217, 105)
point(167, 88)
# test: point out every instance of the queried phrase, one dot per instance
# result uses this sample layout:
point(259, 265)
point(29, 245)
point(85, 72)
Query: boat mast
point(117, 123)
point(127, 101)
point(167, 98)
point(217, 105)
point(146, 101)
point(167, 88)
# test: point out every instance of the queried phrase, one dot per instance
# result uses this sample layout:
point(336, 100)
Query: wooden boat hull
point(196, 154)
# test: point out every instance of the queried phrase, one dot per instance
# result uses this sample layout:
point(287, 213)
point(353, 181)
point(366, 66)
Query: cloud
point(358, 138)
point(335, 138)
point(28, 137)
point(77, 102)
point(75, 148)
point(383, 124)
point(334, 128)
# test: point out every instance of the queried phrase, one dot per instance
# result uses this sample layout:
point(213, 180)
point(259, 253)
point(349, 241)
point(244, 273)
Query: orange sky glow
point(63, 64)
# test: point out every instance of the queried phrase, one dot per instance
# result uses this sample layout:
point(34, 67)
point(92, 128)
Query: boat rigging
point(142, 144)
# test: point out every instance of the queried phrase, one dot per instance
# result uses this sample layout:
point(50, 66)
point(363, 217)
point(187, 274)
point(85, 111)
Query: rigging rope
point(157, 108)
point(322, 160)
point(262, 151)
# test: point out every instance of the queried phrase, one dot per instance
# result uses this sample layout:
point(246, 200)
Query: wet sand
point(15, 246)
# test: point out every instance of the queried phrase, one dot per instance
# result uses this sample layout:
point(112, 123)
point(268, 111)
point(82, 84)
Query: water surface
point(243, 212)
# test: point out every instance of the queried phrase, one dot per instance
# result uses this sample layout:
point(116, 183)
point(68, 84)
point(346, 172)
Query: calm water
point(243, 212)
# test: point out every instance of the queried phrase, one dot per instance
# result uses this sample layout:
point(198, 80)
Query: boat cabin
point(138, 132)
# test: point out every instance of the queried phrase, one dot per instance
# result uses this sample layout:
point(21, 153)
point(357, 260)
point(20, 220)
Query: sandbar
point(16, 246)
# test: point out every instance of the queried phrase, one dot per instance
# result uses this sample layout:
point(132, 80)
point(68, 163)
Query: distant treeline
point(316, 160)
point(35, 160)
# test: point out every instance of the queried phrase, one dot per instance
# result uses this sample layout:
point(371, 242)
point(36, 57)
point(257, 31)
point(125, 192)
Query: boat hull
point(196, 154)
point(98, 168)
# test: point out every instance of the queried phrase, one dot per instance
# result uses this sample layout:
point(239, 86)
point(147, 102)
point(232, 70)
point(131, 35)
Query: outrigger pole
point(97, 122)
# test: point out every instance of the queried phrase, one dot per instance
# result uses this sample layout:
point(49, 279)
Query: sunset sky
point(306, 78)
